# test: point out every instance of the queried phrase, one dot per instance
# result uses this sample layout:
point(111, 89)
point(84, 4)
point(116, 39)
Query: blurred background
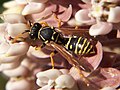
point(1, 2)
point(3, 79)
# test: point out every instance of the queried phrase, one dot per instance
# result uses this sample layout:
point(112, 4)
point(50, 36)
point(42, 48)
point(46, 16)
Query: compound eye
point(37, 25)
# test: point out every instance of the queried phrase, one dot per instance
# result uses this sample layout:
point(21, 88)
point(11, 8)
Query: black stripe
point(80, 44)
point(73, 42)
point(87, 47)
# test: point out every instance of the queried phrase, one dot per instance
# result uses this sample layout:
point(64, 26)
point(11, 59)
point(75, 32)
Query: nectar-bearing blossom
point(25, 63)
point(100, 11)
point(55, 79)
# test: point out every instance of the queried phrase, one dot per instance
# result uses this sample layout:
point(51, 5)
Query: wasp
point(66, 46)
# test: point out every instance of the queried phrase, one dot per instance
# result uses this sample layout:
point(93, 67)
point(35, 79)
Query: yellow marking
point(76, 48)
point(46, 42)
point(70, 46)
point(37, 47)
point(68, 42)
point(85, 48)
point(80, 52)
point(52, 27)
point(42, 38)
point(53, 36)
point(89, 48)
point(39, 35)
point(58, 20)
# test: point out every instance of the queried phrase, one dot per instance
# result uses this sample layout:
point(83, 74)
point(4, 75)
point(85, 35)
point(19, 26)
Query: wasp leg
point(76, 27)
point(19, 36)
point(16, 38)
point(39, 47)
point(51, 58)
point(57, 19)
point(82, 76)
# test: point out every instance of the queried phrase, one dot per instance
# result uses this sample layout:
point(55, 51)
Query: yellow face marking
point(80, 52)
point(68, 42)
point(76, 48)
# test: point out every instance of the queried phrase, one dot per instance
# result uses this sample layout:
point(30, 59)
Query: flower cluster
point(103, 15)
point(25, 64)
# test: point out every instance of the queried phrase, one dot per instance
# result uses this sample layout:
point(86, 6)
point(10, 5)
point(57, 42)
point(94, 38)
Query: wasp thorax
point(46, 33)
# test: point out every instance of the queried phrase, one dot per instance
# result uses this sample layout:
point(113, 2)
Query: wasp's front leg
point(39, 47)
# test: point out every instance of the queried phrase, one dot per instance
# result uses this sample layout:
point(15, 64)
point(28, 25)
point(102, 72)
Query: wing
point(68, 31)
point(69, 57)
point(71, 60)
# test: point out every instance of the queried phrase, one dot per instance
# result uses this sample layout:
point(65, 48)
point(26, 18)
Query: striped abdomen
point(79, 45)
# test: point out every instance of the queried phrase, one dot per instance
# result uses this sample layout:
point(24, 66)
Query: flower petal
point(39, 1)
point(65, 81)
point(17, 49)
point(21, 1)
point(16, 29)
point(106, 77)
point(101, 28)
point(33, 8)
point(14, 10)
point(22, 84)
point(13, 18)
point(47, 12)
point(9, 4)
point(19, 71)
point(114, 15)
point(47, 75)
point(8, 66)
point(37, 53)
point(67, 14)
point(10, 59)
point(108, 88)
point(86, 1)
point(4, 46)
point(82, 17)
point(3, 32)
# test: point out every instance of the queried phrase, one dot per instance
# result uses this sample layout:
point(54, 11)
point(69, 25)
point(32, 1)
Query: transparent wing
point(69, 57)
point(68, 31)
